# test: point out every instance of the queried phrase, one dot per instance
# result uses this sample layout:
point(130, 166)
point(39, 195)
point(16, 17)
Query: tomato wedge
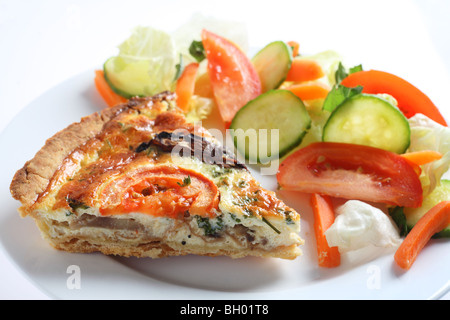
point(410, 99)
point(234, 80)
point(167, 191)
point(352, 171)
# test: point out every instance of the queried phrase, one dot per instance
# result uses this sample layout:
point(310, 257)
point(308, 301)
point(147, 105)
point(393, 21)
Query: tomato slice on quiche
point(139, 180)
point(164, 190)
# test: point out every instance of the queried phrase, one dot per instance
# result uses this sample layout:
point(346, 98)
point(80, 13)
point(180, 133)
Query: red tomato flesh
point(352, 172)
point(233, 77)
point(160, 191)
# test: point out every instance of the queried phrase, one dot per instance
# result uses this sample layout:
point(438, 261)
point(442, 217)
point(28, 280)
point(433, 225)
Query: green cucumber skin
point(283, 53)
point(122, 93)
point(444, 233)
point(402, 121)
point(283, 150)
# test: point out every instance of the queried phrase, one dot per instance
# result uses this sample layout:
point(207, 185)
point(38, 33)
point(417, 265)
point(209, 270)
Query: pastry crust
point(33, 178)
point(153, 248)
point(89, 194)
point(35, 175)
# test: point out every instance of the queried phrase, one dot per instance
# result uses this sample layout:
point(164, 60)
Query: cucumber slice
point(131, 77)
point(368, 120)
point(278, 110)
point(121, 76)
point(439, 194)
point(272, 63)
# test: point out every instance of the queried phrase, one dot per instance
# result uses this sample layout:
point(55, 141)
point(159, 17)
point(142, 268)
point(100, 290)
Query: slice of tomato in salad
point(234, 80)
point(167, 191)
point(352, 172)
point(410, 99)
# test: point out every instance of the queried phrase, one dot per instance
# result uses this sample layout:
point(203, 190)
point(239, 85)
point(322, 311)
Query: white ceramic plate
point(189, 277)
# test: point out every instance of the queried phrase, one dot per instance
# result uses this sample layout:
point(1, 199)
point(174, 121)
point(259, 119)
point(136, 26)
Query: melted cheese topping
point(107, 176)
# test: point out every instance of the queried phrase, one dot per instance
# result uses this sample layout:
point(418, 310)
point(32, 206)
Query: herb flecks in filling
point(75, 205)
point(211, 228)
point(186, 182)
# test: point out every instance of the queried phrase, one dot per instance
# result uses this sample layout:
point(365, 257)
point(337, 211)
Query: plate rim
point(443, 288)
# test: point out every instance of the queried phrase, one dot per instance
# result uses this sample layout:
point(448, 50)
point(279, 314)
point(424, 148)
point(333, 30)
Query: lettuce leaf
point(199, 108)
point(427, 134)
point(187, 39)
point(191, 30)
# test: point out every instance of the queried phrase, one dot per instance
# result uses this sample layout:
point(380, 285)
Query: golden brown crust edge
point(158, 250)
point(33, 178)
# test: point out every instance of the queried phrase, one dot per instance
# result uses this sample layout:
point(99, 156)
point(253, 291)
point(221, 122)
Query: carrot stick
point(295, 47)
point(111, 98)
point(310, 90)
point(304, 70)
point(186, 85)
point(435, 220)
point(329, 257)
point(422, 157)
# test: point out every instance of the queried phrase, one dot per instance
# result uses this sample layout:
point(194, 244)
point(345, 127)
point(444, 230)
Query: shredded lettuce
point(427, 134)
point(191, 30)
point(190, 33)
point(330, 61)
point(145, 64)
point(199, 108)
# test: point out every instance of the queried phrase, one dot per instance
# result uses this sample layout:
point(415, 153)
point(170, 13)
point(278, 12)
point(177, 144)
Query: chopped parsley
point(197, 50)
point(109, 144)
point(245, 200)
point(220, 171)
point(124, 126)
point(69, 213)
point(186, 182)
point(179, 68)
point(235, 218)
point(270, 225)
point(287, 215)
point(242, 183)
point(210, 228)
point(76, 204)
point(339, 93)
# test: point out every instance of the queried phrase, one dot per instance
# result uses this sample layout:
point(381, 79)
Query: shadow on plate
point(210, 273)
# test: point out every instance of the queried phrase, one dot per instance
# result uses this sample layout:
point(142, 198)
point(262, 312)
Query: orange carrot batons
point(435, 220)
point(329, 257)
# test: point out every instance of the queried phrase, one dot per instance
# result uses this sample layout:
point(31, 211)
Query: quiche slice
point(139, 180)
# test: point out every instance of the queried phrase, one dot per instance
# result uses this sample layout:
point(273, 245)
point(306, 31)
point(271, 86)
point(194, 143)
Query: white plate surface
point(189, 277)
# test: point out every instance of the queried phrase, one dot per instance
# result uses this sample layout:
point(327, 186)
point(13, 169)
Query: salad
point(366, 136)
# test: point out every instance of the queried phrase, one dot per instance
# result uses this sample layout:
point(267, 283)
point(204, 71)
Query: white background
point(45, 42)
